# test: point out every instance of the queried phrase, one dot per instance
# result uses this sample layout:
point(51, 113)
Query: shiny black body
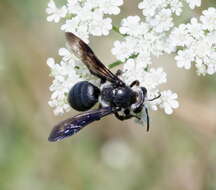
point(83, 96)
point(114, 96)
point(118, 96)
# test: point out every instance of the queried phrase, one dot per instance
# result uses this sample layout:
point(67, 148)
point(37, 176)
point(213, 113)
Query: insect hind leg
point(127, 115)
point(122, 117)
point(135, 83)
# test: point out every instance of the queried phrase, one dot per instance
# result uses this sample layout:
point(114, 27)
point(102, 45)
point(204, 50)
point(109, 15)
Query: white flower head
point(194, 3)
point(198, 43)
point(142, 38)
point(195, 29)
point(184, 59)
point(151, 6)
point(64, 78)
point(176, 6)
point(123, 50)
point(132, 26)
point(208, 19)
point(100, 26)
point(85, 17)
point(163, 21)
point(110, 6)
point(75, 26)
point(74, 6)
point(55, 14)
point(168, 101)
point(179, 36)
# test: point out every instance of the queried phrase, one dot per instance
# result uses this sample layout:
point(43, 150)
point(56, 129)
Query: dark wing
point(87, 56)
point(73, 125)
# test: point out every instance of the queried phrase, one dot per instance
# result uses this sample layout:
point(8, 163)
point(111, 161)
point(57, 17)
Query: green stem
point(116, 29)
point(116, 63)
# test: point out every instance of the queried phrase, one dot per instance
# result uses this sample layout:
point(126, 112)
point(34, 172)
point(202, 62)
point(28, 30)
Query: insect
point(114, 96)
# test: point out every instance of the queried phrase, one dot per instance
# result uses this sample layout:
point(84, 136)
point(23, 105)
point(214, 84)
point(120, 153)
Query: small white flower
point(75, 26)
point(179, 36)
point(163, 21)
point(176, 6)
point(150, 6)
point(184, 59)
point(86, 14)
point(168, 101)
point(110, 6)
point(201, 68)
point(123, 50)
point(211, 68)
point(202, 48)
point(51, 62)
point(194, 3)
point(100, 27)
point(143, 61)
point(157, 76)
point(73, 6)
point(208, 19)
point(195, 29)
point(71, 25)
point(150, 80)
point(131, 25)
point(55, 14)
point(66, 55)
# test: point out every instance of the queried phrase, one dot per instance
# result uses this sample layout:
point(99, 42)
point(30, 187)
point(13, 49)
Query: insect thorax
point(122, 97)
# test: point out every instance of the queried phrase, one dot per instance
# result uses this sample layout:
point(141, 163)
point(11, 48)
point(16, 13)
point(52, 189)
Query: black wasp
point(114, 96)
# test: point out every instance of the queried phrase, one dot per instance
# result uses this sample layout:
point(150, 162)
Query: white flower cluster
point(156, 35)
point(197, 43)
point(142, 39)
point(159, 13)
point(68, 72)
point(139, 43)
point(85, 17)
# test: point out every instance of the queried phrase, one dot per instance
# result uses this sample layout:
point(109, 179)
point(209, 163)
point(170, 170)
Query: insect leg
point(155, 97)
point(127, 115)
point(136, 82)
point(122, 117)
point(102, 81)
point(119, 72)
point(147, 115)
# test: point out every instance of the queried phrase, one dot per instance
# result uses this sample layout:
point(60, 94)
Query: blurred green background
point(178, 153)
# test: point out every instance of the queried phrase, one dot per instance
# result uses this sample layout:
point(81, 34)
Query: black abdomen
point(83, 95)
